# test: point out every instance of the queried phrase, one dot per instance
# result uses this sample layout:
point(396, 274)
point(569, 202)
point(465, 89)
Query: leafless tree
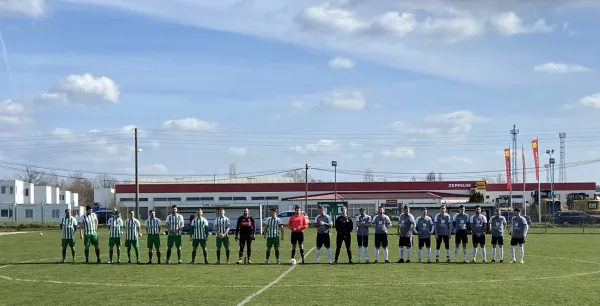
point(31, 175)
point(298, 176)
point(500, 179)
point(368, 176)
point(430, 177)
point(413, 179)
point(104, 181)
point(78, 183)
point(439, 176)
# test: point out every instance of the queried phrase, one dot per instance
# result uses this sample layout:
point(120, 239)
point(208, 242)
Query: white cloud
point(456, 160)
point(457, 122)
point(190, 125)
point(350, 100)
point(320, 146)
point(238, 151)
point(399, 152)
point(509, 23)
point(560, 68)
point(31, 8)
point(329, 18)
point(591, 101)
point(12, 114)
point(154, 169)
point(395, 23)
point(453, 30)
point(341, 63)
point(81, 90)
point(300, 105)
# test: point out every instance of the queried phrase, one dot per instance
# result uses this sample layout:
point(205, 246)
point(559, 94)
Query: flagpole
point(509, 178)
point(539, 190)
point(524, 184)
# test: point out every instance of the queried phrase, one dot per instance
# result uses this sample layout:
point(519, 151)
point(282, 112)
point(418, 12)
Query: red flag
point(507, 160)
point(536, 159)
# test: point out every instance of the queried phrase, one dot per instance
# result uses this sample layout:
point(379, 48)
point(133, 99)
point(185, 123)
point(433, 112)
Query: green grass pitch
point(559, 270)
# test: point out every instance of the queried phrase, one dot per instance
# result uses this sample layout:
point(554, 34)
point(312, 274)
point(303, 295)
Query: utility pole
point(137, 182)
point(306, 188)
point(515, 177)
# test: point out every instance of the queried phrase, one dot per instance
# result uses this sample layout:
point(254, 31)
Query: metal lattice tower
point(562, 166)
point(515, 177)
point(232, 171)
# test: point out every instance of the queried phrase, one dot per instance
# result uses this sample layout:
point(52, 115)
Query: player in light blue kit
point(442, 228)
point(497, 226)
point(363, 222)
point(479, 225)
point(406, 226)
point(424, 228)
point(460, 222)
point(518, 232)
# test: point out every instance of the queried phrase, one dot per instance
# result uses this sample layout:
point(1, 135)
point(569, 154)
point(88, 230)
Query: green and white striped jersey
point(221, 224)
point(131, 227)
point(153, 226)
point(68, 226)
point(199, 228)
point(273, 225)
point(90, 223)
point(174, 222)
point(115, 227)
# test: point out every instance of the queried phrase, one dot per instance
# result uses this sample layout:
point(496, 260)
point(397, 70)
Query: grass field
point(560, 269)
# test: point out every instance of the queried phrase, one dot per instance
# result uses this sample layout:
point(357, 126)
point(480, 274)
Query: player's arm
point(412, 224)
point(316, 221)
point(470, 222)
point(303, 224)
point(253, 226)
point(435, 220)
point(432, 224)
point(227, 227)
point(192, 227)
point(485, 224)
point(237, 227)
point(454, 222)
point(138, 227)
point(181, 224)
point(338, 225)
point(329, 223)
point(264, 229)
point(525, 226)
point(281, 229)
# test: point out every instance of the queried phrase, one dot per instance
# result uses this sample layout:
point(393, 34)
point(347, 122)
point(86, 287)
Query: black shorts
point(517, 241)
point(381, 240)
point(323, 240)
point(442, 238)
point(363, 240)
point(497, 240)
point(478, 240)
point(245, 240)
point(424, 242)
point(405, 242)
point(297, 238)
point(461, 237)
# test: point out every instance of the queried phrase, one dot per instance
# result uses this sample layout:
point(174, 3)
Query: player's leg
point(72, 246)
point(464, 245)
point(111, 249)
point(420, 246)
point(118, 245)
point(408, 244)
point(178, 246)
point(513, 244)
point(327, 244)
point(501, 248)
point(86, 247)
point(276, 246)
point(339, 239)
point(456, 245)
point(365, 244)
point(268, 250)
point(446, 240)
point(347, 242)
point(128, 250)
point(384, 244)
point(301, 242)
point(522, 249)
point(157, 245)
point(64, 249)
point(204, 251)
point(475, 241)
point(359, 247)
point(249, 249)
point(293, 241)
point(150, 246)
point(226, 246)
point(242, 242)
point(136, 249)
point(219, 243)
point(170, 243)
point(482, 245)
point(428, 247)
point(401, 249)
point(438, 244)
point(195, 244)
point(377, 246)
point(494, 245)
point(96, 244)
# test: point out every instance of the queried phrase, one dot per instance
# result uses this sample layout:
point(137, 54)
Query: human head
point(221, 212)
point(517, 212)
point(88, 210)
point(297, 210)
point(461, 209)
point(174, 209)
point(131, 214)
point(498, 212)
point(117, 214)
point(443, 209)
point(344, 211)
point(477, 209)
point(199, 212)
point(322, 211)
point(273, 212)
point(406, 209)
point(380, 210)
point(67, 212)
point(246, 212)
point(424, 211)
point(152, 214)
point(362, 211)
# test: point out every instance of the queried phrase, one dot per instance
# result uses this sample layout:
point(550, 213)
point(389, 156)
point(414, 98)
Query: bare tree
point(368, 176)
point(499, 179)
point(105, 181)
point(439, 176)
point(78, 183)
point(430, 177)
point(31, 175)
point(298, 176)
point(413, 179)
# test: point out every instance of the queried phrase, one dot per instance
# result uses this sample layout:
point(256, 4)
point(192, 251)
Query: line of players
point(442, 226)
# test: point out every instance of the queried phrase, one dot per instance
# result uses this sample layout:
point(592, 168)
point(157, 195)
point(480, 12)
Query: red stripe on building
point(297, 187)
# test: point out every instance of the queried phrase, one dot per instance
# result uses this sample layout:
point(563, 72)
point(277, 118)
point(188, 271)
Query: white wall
point(28, 193)
point(104, 196)
point(39, 212)
point(64, 197)
point(11, 191)
point(75, 199)
point(55, 195)
point(43, 195)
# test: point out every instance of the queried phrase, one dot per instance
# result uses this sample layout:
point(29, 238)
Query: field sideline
point(559, 270)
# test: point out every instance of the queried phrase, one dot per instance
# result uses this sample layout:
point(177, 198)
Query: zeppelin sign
point(460, 185)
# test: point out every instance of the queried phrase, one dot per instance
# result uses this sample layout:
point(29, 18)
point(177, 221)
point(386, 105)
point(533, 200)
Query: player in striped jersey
point(175, 224)
point(153, 231)
point(199, 235)
point(132, 228)
point(221, 227)
point(68, 226)
point(273, 230)
point(88, 226)
point(115, 224)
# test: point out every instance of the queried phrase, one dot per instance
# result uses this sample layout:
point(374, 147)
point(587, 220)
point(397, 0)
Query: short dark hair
point(67, 209)
point(173, 206)
point(443, 205)
point(477, 206)
point(297, 207)
point(151, 211)
point(131, 210)
point(273, 209)
point(221, 208)
point(517, 209)
point(462, 206)
point(423, 208)
point(87, 207)
point(405, 207)
point(117, 212)
point(362, 209)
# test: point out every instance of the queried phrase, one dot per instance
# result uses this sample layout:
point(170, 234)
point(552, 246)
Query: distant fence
point(549, 228)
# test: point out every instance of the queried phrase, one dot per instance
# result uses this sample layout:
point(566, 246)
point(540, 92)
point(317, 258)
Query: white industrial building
point(24, 202)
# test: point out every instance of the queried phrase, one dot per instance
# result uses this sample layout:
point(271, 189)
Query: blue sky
point(417, 86)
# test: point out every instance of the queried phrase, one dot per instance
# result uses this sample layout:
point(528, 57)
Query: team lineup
point(442, 226)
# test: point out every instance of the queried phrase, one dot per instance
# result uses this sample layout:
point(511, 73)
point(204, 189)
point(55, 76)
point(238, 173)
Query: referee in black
point(343, 227)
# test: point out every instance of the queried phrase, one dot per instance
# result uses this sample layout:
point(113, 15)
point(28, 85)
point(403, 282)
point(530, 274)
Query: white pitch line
point(11, 233)
point(271, 284)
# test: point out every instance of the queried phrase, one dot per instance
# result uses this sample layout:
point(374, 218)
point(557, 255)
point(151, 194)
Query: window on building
point(55, 214)
point(62, 197)
point(174, 199)
point(272, 198)
point(26, 192)
point(126, 200)
point(3, 190)
point(159, 199)
point(4, 213)
point(225, 198)
point(12, 190)
point(193, 199)
point(207, 198)
point(143, 199)
point(29, 213)
point(257, 198)
point(239, 198)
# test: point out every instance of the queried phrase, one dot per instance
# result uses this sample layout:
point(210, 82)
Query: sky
point(400, 87)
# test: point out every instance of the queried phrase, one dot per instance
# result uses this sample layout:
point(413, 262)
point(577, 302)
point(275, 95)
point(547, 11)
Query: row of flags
point(536, 160)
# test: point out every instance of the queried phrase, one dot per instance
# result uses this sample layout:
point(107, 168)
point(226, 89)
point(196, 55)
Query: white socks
point(385, 254)
point(483, 253)
point(329, 254)
point(464, 253)
point(367, 253)
point(401, 253)
point(501, 252)
point(318, 254)
point(359, 254)
point(521, 253)
point(474, 253)
point(376, 254)
point(429, 254)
